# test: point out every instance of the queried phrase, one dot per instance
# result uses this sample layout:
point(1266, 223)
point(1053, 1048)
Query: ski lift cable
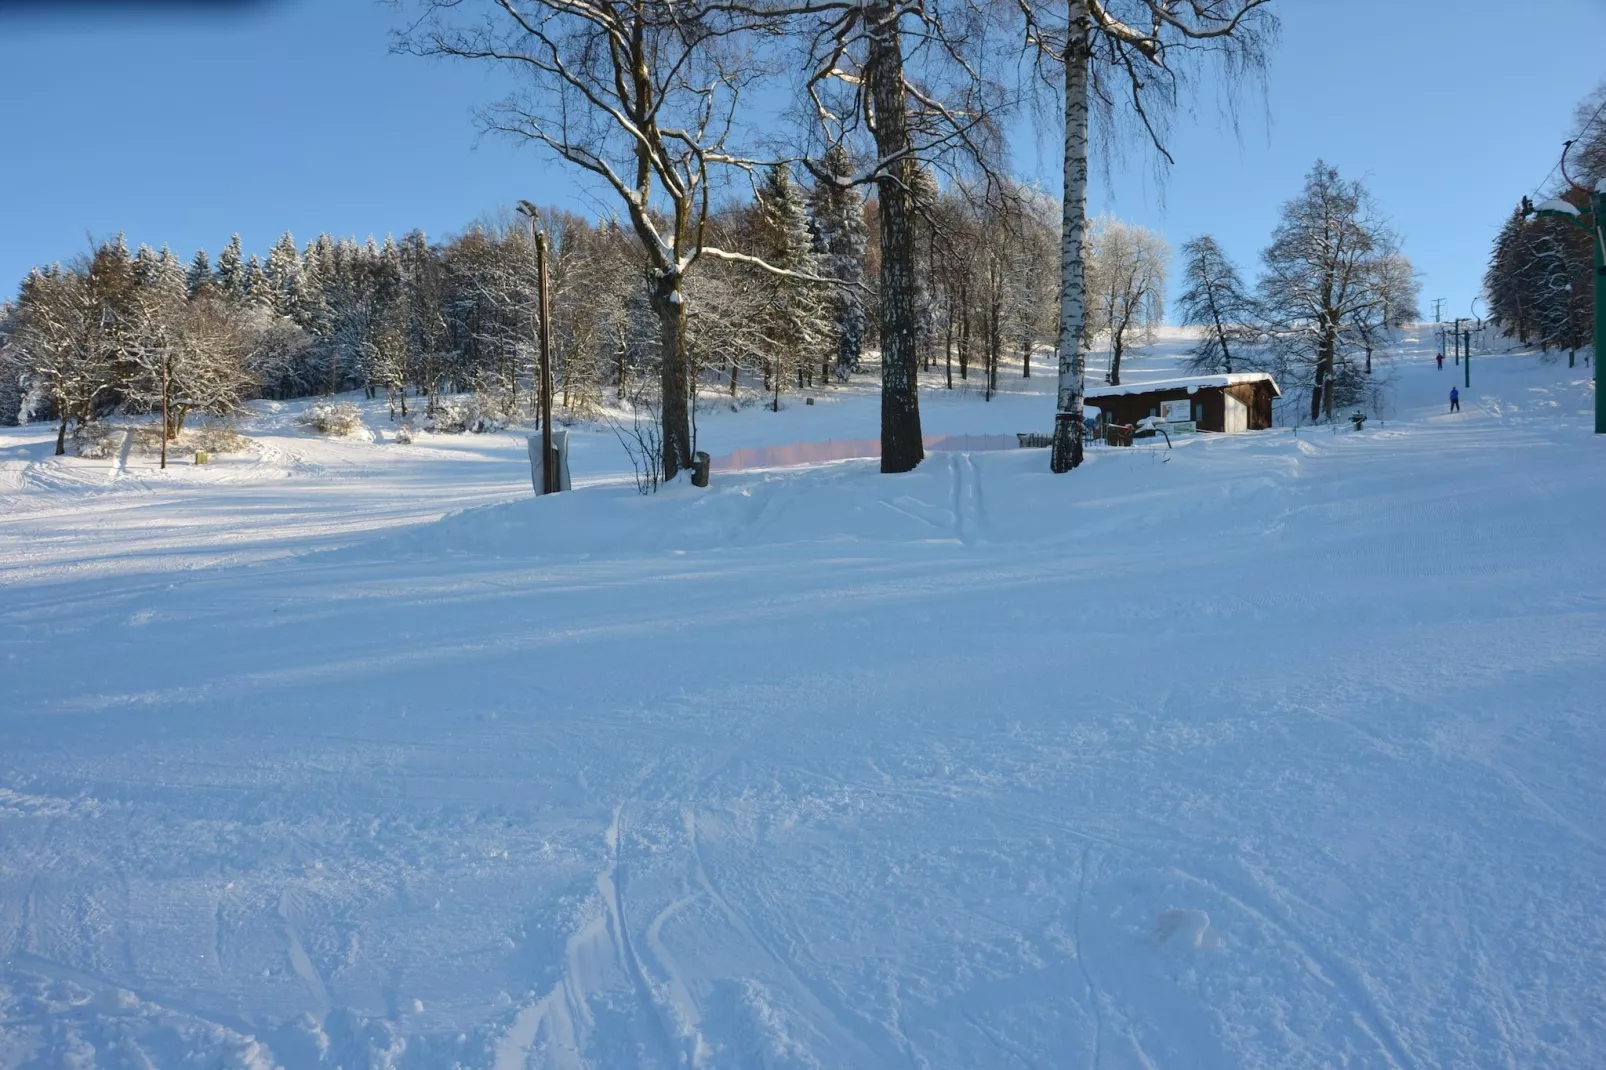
point(1569, 143)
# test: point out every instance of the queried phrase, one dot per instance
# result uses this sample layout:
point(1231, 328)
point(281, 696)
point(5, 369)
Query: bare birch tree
point(1127, 59)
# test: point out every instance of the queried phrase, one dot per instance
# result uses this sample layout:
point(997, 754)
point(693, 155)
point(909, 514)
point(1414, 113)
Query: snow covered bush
point(217, 440)
point(478, 412)
point(404, 433)
point(450, 417)
point(333, 418)
point(96, 441)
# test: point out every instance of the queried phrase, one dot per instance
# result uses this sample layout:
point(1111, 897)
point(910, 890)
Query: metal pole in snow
point(549, 466)
point(1600, 305)
point(549, 469)
point(164, 410)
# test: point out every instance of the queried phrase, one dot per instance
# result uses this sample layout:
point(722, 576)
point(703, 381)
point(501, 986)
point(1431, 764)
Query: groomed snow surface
point(1271, 750)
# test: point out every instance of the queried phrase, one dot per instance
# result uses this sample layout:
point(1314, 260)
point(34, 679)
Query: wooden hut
point(1240, 401)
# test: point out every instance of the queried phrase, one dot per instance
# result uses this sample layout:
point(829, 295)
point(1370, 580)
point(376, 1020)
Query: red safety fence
point(845, 449)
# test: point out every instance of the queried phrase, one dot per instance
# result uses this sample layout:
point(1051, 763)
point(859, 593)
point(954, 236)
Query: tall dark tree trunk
point(670, 310)
point(948, 343)
point(995, 344)
point(964, 335)
point(901, 446)
point(61, 437)
point(995, 338)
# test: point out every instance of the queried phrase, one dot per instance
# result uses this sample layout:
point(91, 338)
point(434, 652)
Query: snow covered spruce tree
point(1216, 300)
point(1326, 273)
point(1126, 270)
point(1538, 282)
point(200, 278)
point(230, 276)
point(643, 98)
point(285, 280)
point(10, 373)
point(10, 368)
point(836, 213)
point(1128, 58)
point(793, 315)
point(1505, 283)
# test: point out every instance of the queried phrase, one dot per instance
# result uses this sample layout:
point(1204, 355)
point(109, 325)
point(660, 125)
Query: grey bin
point(560, 446)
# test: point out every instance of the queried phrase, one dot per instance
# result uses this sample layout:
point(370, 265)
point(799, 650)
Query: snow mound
point(1186, 929)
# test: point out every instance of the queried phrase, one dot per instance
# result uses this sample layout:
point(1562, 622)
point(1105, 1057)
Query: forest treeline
point(413, 320)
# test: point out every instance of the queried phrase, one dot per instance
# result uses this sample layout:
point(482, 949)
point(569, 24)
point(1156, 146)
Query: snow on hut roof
point(1190, 384)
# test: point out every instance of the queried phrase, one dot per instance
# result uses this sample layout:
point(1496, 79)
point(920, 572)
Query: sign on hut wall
point(1176, 412)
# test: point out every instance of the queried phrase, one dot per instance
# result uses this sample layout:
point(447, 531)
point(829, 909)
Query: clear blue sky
point(187, 125)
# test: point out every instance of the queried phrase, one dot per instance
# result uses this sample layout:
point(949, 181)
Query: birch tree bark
point(1067, 449)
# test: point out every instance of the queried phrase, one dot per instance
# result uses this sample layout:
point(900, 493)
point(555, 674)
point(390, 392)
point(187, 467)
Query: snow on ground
point(1275, 750)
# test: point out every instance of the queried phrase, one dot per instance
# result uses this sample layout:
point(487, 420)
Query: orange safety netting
point(844, 449)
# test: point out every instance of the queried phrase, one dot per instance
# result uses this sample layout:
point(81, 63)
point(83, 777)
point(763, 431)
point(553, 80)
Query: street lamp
point(549, 467)
point(1592, 222)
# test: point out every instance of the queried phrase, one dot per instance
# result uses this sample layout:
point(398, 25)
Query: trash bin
point(560, 447)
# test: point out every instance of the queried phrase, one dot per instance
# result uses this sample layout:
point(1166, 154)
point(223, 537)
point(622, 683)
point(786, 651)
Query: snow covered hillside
point(1273, 750)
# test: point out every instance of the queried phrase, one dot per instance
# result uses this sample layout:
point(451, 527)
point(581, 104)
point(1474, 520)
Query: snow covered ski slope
point(1274, 750)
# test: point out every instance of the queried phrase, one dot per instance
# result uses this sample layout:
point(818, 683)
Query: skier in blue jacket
point(1455, 400)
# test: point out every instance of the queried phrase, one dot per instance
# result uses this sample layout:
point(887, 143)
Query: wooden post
point(699, 469)
point(164, 409)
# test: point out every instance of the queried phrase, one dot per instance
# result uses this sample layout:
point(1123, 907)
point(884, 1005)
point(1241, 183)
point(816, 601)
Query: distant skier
point(1440, 358)
point(1455, 399)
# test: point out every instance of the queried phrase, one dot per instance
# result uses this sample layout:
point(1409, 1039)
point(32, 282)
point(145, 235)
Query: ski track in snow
point(1278, 750)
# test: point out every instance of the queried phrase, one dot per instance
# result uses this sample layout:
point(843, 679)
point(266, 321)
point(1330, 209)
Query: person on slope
point(1455, 400)
point(1440, 358)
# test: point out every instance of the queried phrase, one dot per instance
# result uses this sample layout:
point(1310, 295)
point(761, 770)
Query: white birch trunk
point(1067, 451)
